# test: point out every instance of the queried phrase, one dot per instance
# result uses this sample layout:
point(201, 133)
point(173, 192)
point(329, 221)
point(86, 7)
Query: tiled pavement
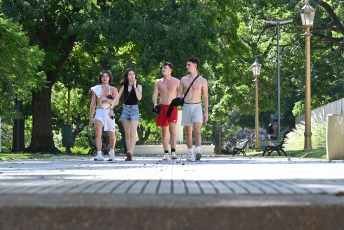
point(150, 175)
point(243, 193)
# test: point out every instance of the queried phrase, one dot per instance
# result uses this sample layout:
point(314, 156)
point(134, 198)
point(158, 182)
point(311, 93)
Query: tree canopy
point(19, 62)
point(81, 38)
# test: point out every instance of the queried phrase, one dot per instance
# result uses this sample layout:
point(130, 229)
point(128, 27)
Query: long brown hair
point(101, 75)
point(125, 80)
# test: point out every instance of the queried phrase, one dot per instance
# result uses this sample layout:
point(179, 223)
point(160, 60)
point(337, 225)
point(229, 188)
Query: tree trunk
point(78, 129)
point(18, 132)
point(220, 138)
point(140, 132)
point(216, 137)
point(42, 135)
point(18, 144)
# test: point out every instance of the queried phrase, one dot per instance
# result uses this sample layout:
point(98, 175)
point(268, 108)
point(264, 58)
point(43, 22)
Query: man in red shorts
point(168, 88)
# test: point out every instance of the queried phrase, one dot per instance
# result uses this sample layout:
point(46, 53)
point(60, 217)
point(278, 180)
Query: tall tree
point(261, 39)
point(19, 63)
point(52, 25)
point(18, 75)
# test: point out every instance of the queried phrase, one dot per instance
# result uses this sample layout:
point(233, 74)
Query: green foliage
point(19, 63)
point(299, 108)
point(79, 105)
point(6, 135)
point(236, 89)
point(81, 38)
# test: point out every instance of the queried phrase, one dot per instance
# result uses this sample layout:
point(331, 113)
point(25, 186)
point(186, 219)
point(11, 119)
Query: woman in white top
point(103, 98)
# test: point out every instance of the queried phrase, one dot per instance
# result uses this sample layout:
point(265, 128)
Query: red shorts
point(162, 120)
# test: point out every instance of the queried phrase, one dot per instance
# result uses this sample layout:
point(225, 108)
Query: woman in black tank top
point(130, 115)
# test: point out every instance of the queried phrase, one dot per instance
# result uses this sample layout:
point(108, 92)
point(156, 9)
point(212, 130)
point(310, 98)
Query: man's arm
point(181, 88)
point(178, 85)
point(205, 100)
point(114, 93)
point(155, 93)
point(93, 107)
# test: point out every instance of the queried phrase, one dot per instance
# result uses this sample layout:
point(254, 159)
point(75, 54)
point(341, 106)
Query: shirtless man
point(168, 88)
point(104, 114)
point(193, 116)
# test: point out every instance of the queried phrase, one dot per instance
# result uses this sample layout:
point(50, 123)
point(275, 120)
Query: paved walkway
point(150, 175)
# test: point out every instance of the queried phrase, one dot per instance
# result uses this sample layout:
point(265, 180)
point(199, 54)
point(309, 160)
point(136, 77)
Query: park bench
point(240, 148)
point(278, 147)
point(93, 150)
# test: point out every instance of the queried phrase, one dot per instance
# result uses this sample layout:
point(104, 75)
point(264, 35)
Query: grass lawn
point(27, 156)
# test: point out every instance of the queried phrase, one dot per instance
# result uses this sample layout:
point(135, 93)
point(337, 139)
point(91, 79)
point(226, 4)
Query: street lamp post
point(307, 16)
point(278, 23)
point(256, 72)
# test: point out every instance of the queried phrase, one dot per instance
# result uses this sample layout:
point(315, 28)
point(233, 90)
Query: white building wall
point(336, 107)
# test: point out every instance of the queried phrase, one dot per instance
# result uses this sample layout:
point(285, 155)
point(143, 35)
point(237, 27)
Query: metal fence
point(336, 107)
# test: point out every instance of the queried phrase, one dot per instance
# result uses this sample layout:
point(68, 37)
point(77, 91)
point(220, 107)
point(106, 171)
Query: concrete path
point(148, 193)
point(150, 175)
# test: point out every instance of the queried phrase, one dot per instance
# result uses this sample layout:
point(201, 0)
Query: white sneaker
point(174, 156)
point(190, 157)
point(166, 157)
point(112, 157)
point(99, 157)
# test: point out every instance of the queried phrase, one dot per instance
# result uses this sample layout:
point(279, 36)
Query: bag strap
point(190, 86)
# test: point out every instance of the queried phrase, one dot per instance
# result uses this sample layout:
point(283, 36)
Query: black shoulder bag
point(182, 103)
point(120, 109)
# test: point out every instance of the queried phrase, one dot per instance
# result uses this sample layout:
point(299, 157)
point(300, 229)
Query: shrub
point(295, 139)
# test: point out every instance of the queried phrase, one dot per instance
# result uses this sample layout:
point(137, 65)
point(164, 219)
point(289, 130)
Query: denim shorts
point(130, 113)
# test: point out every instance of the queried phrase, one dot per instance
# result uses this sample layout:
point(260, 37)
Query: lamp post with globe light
point(256, 72)
point(307, 17)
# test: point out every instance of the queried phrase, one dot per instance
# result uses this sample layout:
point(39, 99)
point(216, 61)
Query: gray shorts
point(130, 113)
point(192, 113)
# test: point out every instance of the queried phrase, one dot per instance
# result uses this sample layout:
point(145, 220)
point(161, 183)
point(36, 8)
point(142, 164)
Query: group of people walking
point(173, 92)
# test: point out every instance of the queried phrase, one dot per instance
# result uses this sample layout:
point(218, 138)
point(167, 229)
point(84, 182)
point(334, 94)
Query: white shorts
point(192, 113)
point(102, 115)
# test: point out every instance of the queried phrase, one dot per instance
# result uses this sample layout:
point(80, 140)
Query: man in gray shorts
point(193, 117)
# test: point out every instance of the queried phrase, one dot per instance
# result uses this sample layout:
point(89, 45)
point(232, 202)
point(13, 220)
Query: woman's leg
point(133, 130)
point(126, 125)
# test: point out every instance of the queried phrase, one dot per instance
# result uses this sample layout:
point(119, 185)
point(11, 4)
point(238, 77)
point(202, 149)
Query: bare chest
point(168, 86)
point(196, 86)
point(106, 91)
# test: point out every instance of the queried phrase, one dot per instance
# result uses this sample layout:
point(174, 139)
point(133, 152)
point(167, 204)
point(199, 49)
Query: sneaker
point(174, 156)
point(166, 157)
point(190, 157)
point(99, 157)
point(112, 157)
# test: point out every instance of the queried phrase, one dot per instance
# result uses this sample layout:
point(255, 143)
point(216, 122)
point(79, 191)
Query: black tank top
point(132, 99)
